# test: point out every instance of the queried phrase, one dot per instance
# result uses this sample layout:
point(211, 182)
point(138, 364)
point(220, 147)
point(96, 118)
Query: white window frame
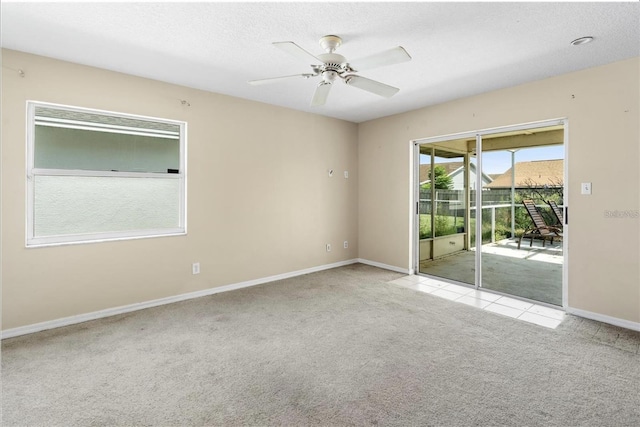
point(32, 172)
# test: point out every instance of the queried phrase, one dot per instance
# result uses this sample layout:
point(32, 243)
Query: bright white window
point(97, 175)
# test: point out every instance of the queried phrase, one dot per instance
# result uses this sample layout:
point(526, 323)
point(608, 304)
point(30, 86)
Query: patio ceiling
point(515, 140)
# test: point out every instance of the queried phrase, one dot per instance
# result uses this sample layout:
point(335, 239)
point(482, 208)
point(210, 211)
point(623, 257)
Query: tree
point(441, 179)
point(553, 190)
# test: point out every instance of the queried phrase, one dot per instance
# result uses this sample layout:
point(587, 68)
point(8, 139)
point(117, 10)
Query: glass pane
point(79, 149)
point(79, 205)
point(425, 206)
point(449, 192)
point(444, 217)
point(102, 120)
point(515, 174)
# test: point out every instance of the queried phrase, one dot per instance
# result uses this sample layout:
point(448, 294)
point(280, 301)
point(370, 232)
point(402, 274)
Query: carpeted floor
point(338, 347)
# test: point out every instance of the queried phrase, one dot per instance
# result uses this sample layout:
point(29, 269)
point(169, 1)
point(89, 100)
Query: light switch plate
point(585, 188)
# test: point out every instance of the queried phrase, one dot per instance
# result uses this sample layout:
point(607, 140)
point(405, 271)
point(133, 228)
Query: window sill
point(44, 242)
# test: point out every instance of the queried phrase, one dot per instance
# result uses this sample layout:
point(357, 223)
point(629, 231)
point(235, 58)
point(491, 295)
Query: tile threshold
point(527, 312)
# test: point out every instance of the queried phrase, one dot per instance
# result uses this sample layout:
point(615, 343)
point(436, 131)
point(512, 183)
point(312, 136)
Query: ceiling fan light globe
point(329, 76)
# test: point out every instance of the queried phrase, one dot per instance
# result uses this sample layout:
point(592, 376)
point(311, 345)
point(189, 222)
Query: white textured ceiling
point(458, 49)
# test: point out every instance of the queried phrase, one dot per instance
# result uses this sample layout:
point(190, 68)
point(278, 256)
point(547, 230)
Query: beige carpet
point(339, 347)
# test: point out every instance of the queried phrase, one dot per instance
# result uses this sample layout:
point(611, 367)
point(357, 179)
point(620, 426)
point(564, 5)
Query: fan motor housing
point(333, 62)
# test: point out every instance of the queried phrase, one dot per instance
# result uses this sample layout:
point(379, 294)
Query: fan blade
point(320, 96)
point(277, 79)
point(294, 50)
point(371, 86)
point(388, 57)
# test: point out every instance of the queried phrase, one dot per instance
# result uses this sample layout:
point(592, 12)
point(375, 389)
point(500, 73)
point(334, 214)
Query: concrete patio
point(529, 272)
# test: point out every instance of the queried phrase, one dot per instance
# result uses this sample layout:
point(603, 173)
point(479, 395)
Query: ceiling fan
point(331, 66)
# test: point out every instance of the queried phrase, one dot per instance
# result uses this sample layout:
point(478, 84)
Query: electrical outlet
point(346, 244)
point(346, 174)
point(328, 247)
point(195, 268)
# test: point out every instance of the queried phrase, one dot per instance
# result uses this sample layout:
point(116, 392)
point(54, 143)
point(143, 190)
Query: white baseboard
point(385, 266)
point(72, 320)
point(615, 321)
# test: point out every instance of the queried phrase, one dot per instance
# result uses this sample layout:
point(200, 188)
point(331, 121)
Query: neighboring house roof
point(538, 173)
point(448, 167)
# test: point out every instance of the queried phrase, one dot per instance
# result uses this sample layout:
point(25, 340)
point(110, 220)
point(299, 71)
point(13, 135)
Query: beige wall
point(260, 201)
point(602, 108)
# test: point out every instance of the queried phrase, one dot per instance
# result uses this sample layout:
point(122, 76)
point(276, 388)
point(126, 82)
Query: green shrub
point(425, 226)
point(444, 226)
point(503, 231)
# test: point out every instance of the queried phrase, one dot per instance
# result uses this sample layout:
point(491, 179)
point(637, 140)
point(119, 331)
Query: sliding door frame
point(478, 135)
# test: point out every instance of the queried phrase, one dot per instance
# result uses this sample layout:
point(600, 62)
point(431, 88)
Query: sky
point(500, 161)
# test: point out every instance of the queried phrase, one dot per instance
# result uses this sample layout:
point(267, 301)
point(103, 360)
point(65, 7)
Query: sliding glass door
point(473, 226)
point(519, 257)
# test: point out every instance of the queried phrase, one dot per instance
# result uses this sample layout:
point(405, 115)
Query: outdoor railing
point(458, 212)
